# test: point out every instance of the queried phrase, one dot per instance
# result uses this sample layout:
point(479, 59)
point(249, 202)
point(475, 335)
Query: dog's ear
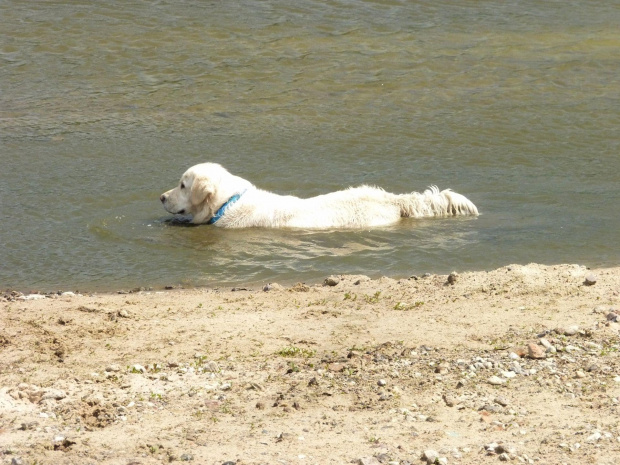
point(202, 189)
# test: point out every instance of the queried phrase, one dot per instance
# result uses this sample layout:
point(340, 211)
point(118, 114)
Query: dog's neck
point(222, 210)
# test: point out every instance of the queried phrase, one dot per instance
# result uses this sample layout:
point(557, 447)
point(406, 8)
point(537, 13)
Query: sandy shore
point(519, 364)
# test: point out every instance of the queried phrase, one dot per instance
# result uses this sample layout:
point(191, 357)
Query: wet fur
point(204, 188)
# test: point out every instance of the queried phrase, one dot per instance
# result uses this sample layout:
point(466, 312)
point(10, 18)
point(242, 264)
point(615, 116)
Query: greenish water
point(104, 104)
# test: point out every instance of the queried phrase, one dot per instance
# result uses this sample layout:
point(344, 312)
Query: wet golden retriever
point(212, 195)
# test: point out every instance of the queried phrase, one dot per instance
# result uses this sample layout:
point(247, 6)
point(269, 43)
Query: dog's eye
point(182, 185)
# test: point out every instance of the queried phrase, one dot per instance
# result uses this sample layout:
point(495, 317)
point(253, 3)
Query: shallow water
point(104, 104)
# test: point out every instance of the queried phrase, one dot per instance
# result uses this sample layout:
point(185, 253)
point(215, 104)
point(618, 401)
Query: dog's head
point(202, 190)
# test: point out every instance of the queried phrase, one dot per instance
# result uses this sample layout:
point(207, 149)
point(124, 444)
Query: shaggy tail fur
point(432, 202)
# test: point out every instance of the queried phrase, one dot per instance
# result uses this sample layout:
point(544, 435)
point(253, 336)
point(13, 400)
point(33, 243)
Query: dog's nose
point(162, 197)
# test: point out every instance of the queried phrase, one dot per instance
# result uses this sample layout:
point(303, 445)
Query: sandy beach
point(518, 364)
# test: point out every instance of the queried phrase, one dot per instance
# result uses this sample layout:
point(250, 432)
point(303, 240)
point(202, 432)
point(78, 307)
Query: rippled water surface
point(104, 104)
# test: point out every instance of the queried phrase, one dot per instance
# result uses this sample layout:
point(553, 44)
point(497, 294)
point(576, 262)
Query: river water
point(103, 105)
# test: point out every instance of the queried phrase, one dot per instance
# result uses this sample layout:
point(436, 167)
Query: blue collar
point(223, 208)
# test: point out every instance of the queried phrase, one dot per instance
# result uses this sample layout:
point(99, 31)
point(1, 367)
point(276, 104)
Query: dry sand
point(359, 371)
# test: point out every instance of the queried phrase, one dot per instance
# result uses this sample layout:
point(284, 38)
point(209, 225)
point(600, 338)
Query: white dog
point(212, 195)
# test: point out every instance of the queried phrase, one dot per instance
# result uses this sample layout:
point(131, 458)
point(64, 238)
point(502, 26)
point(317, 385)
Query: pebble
point(590, 279)
point(535, 351)
point(430, 455)
point(506, 448)
point(592, 345)
point(491, 447)
point(272, 287)
point(331, 281)
point(496, 380)
point(368, 461)
point(55, 394)
point(546, 344)
point(449, 400)
point(382, 382)
point(570, 331)
point(211, 367)
point(137, 369)
point(337, 367)
point(31, 297)
point(501, 401)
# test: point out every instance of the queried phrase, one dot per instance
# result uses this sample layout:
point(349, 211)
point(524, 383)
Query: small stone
point(187, 457)
point(382, 382)
point(211, 367)
point(571, 330)
point(123, 313)
point(594, 437)
point(332, 281)
point(546, 344)
point(496, 381)
point(580, 374)
point(590, 279)
point(430, 455)
point(368, 461)
point(452, 277)
point(491, 447)
point(55, 394)
point(382, 458)
point(336, 367)
point(260, 405)
point(501, 401)
point(137, 368)
point(449, 400)
point(592, 346)
point(113, 368)
point(504, 457)
point(272, 287)
point(17, 461)
point(442, 368)
point(611, 316)
point(535, 351)
point(490, 408)
point(506, 449)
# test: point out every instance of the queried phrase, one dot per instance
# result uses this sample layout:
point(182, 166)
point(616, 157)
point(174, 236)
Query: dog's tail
point(432, 202)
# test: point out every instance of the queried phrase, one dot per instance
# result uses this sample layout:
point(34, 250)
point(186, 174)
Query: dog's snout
point(162, 197)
